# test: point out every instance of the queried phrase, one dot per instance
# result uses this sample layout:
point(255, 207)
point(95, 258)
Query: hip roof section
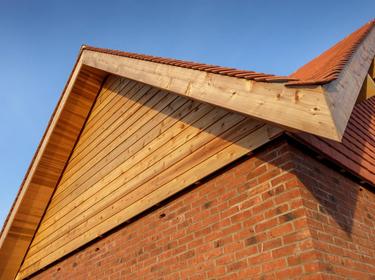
point(327, 67)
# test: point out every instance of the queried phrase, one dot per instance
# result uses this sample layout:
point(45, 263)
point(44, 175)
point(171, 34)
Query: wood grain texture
point(136, 149)
point(302, 108)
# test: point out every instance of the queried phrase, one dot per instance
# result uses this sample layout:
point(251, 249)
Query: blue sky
point(40, 40)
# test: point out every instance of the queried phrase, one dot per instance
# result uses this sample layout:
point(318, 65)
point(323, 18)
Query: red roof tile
point(245, 74)
point(327, 66)
point(357, 150)
point(321, 70)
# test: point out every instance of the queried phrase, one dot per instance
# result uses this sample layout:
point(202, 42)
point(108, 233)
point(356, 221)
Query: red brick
point(289, 273)
point(281, 230)
point(228, 258)
point(284, 251)
point(274, 265)
point(272, 244)
point(303, 221)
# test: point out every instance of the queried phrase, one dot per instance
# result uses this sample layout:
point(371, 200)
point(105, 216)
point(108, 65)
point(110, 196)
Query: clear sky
point(40, 40)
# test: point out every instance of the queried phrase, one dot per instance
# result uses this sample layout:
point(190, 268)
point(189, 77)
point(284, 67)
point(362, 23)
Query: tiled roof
point(327, 66)
point(245, 74)
point(357, 150)
point(321, 70)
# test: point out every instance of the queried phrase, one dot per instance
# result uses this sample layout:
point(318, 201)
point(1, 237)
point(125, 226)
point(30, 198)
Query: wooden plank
point(300, 108)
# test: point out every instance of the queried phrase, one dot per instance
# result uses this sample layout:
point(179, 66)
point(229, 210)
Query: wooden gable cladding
point(139, 146)
point(47, 166)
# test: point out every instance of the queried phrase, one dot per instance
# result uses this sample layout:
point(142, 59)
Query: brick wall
point(341, 220)
point(279, 214)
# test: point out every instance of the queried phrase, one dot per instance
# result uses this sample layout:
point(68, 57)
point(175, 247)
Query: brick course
point(279, 214)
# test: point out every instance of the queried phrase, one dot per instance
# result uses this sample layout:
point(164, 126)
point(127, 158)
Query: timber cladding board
point(48, 163)
point(139, 146)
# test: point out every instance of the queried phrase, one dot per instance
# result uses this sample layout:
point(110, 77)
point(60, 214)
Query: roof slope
point(357, 150)
point(321, 70)
point(327, 66)
point(215, 69)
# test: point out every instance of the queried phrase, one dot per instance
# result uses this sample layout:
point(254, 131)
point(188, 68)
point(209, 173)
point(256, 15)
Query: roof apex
point(328, 66)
